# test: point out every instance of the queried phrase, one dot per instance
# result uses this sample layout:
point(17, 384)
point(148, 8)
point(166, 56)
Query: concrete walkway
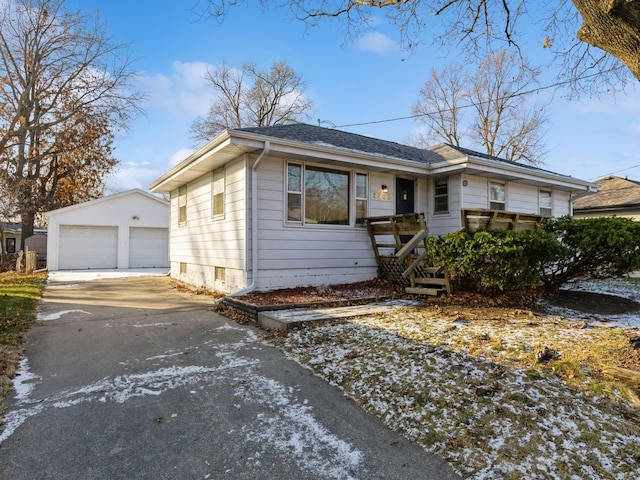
point(129, 378)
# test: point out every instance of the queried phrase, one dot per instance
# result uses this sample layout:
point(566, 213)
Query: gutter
point(254, 222)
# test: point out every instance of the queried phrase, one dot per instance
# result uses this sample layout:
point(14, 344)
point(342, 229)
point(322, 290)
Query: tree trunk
point(613, 26)
point(26, 225)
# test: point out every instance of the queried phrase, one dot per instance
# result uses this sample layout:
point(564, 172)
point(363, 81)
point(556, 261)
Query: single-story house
point(12, 235)
point(283, 206)
point(126, 230)
point(615, 196)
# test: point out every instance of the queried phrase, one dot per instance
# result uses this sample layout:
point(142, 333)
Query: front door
point(405, 196)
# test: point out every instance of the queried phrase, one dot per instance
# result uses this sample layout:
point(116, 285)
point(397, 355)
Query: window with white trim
point(441, 195)
point(182, 205)
point(217, 193)
point(294, 193)
point(362, 196)
point(545, 203)
point(497, 196)
point(317, 195)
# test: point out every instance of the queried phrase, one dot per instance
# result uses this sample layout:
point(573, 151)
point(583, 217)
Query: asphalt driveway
point(130, 378)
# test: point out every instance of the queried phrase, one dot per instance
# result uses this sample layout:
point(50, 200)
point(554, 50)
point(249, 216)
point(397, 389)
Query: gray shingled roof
point(614, 192)
point(473, 153)
point(302, 132)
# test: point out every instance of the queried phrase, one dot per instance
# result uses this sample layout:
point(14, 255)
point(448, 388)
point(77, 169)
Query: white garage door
point(88, 247)
point(148, 247)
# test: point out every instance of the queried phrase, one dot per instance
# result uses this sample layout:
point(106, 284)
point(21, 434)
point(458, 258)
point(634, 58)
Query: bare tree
point(501, 122)
point(569, 28)
point(440, 106)
point(252, 98)
point(64, 90)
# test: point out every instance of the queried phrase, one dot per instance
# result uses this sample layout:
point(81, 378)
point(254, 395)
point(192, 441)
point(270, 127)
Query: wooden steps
point(399, 244)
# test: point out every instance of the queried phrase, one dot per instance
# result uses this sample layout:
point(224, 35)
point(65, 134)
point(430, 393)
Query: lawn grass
point(19, 296)
point(498, 392)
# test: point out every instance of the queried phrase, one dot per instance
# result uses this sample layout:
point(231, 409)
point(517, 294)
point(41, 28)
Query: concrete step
point(434, 292)
point(286, 319)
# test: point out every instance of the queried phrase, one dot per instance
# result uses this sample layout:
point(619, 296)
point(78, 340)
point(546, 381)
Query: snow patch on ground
point(22, 382)
point(57, 315)
point(285, 424)
point(291, 428)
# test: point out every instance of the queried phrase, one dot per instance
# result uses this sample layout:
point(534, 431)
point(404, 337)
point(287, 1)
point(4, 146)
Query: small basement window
point(183, 267)
point(220, 274)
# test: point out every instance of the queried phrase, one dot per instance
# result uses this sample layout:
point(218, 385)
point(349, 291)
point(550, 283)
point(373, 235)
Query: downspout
point(254, 222)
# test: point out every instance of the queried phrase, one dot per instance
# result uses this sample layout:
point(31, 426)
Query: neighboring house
point(125, 230)
point(12, 235)
point(615, 196)
point(276, 207)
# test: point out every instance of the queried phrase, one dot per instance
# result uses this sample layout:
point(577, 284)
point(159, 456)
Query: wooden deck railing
point(484, 219)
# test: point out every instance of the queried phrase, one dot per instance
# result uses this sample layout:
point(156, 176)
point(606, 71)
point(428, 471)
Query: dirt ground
point(465, 305)
point(586, 302)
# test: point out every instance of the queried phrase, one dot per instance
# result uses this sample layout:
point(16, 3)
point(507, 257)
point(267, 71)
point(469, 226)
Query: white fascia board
point(210, 148)
point(515, 172)
point(105, 199)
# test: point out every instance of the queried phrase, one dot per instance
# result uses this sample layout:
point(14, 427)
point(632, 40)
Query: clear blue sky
point(366, 80)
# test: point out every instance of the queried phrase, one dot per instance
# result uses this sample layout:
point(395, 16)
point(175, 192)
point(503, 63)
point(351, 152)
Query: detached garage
point(126, 230)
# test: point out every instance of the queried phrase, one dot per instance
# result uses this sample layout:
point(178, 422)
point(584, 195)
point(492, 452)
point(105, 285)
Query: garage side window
point(217, 193)
point(182, 206)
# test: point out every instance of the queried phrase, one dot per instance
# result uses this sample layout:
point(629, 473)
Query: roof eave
point(231, 143)
point(514, 173)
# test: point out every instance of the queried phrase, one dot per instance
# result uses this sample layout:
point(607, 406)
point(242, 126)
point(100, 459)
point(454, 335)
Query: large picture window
point(322, 196)
point(326, 196)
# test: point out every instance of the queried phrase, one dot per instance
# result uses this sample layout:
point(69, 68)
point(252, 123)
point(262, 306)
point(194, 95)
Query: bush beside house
point(566, 250)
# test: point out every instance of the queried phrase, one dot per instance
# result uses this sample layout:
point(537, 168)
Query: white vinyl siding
point(291, 254)
point(207, 241)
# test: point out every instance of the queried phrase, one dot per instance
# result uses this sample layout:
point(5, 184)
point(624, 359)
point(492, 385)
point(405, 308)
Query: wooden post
point(31, 262)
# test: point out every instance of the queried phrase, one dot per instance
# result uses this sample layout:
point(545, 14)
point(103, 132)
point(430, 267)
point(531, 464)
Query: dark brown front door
point(405, 196)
